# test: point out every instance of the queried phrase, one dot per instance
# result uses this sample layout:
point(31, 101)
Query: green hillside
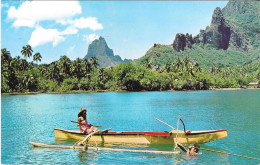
point(240, 21)
point(205, 55)
point(244, 18)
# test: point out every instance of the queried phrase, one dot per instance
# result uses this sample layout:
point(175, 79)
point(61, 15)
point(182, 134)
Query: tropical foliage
point(205, 55)
point(19, 75)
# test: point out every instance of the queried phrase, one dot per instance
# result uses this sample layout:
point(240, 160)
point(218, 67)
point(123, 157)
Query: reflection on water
point(90, 155)
point(84, 156)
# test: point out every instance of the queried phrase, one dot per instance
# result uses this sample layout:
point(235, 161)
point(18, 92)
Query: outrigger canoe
point(155, 137)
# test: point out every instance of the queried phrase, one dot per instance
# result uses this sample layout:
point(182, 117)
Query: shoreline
point(100, 91)
point(233, 89)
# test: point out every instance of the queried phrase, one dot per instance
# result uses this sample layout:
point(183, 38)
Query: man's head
point(196, 147)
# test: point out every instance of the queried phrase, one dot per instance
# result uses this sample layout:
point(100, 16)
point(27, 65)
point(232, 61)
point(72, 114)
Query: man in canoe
point(83, 125)
point(192, 150)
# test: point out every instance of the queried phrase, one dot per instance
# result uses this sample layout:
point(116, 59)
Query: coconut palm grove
point(65, 75)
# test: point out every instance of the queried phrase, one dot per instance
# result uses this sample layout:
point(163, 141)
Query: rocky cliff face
point(244, 19)
point(99, 48)
point(181, 41)
point(217, 34)
point(235, 27)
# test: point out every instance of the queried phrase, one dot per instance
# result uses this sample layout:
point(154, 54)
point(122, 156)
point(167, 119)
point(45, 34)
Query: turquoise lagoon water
point(27, 118)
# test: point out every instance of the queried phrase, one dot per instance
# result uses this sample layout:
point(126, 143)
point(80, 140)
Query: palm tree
point(5, 56)
point(94, 62)
point(5, 63)
point(148, 64)
point(27, 51)
point(86, 67)
point(23, 64)
point(76, 68)
point(157, 68)
point(186, 61)
point(64, 65)
point(177, 64)
point(218, 70)
point(190, 68)
point(197, 67)
point(167, 67)
point(28, 80)
point(15, 62)
point(6, 68)
point(53, 71)
point(212, 69)
point(101, 74)
point(43, 68)
point(37, 57)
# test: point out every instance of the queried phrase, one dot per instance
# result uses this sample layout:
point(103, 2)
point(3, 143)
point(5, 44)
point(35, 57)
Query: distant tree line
point(64, 75)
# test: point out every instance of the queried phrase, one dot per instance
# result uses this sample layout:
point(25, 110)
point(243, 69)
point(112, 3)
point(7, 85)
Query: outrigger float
point(147, 137)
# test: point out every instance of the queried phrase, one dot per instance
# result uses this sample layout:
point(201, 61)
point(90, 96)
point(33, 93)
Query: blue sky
point(130, 28)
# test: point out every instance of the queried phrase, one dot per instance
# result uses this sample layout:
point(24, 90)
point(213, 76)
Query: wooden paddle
point(92, 125)
point(181, 147)
point(86, 138)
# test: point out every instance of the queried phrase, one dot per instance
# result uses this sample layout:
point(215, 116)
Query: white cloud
point(41, 36)
point(69, 30)
point(90, 22)
point(91, 37)
point(83, 23)
point(30, 12)
point(20, 22)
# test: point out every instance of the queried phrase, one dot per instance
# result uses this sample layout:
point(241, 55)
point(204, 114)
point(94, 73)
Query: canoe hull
point(162, 137)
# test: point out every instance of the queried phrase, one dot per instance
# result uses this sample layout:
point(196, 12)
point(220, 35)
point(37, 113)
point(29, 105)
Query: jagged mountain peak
point(231, 39)
point(234, 27)
point(99, 49)
point(217, 17)
point(244, 19)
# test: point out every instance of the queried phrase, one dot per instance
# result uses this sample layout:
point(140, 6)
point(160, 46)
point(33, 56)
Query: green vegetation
point(205, 55)
point(243, 16)
point(65, 75)
point(243, 19)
